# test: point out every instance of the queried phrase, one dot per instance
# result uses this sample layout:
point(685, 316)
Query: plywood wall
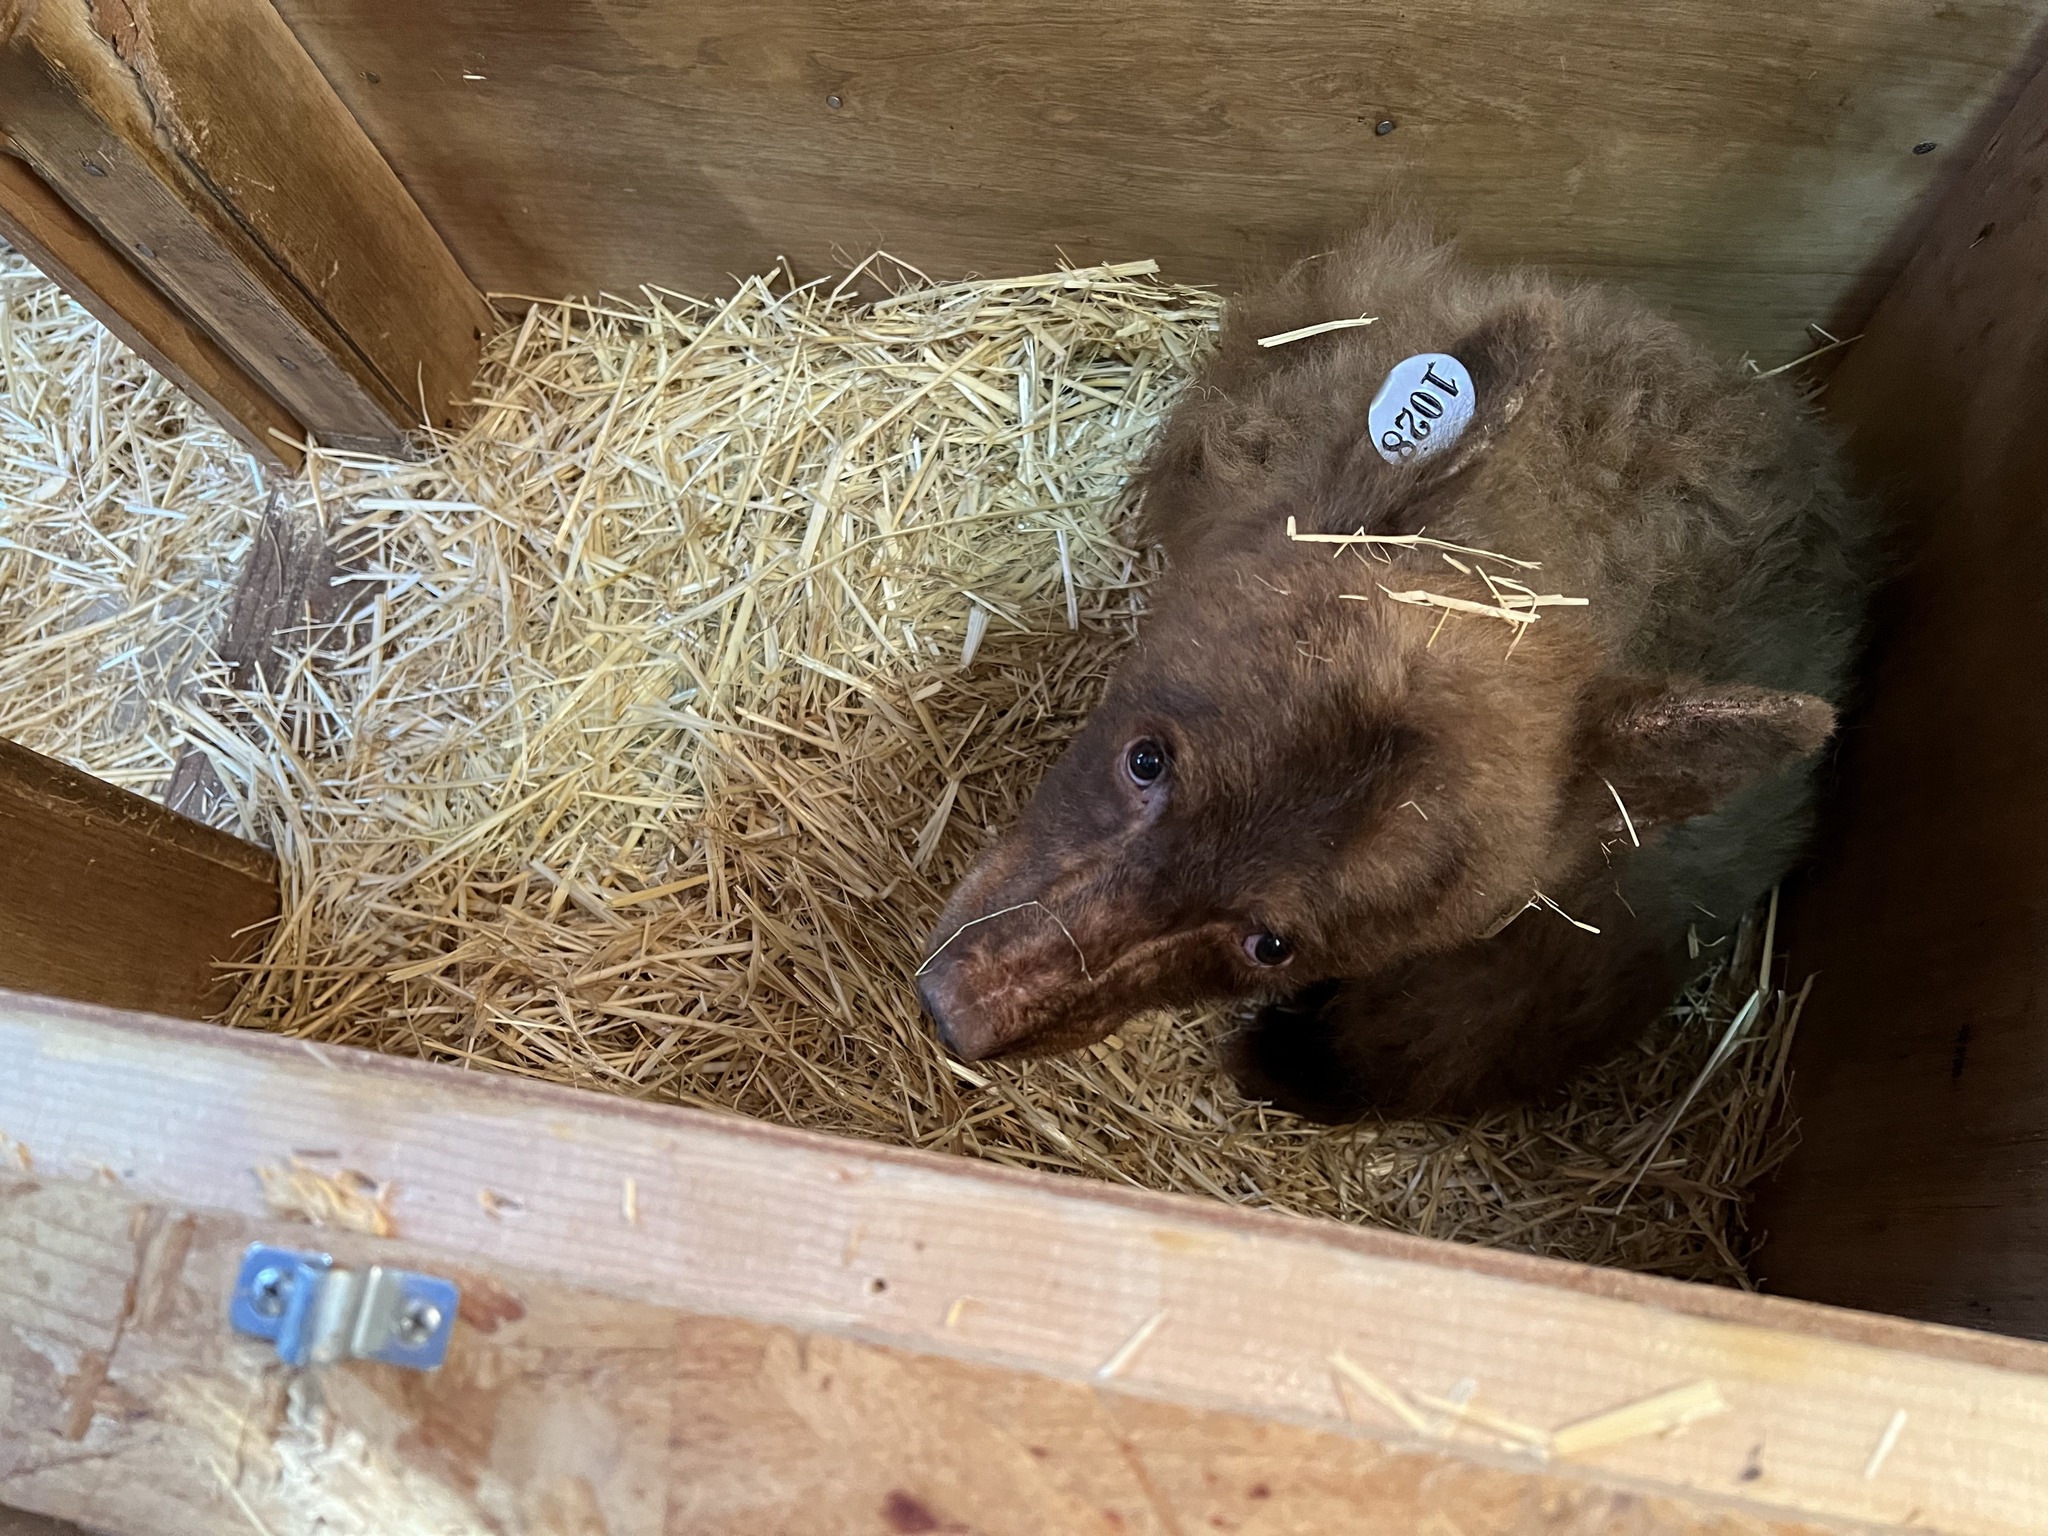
point(1745, 162)
point(1921, 1076)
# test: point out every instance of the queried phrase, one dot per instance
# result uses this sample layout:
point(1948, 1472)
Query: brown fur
point(1384, 801)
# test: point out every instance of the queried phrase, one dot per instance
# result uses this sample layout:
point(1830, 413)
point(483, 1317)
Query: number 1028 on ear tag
point(1423, 408)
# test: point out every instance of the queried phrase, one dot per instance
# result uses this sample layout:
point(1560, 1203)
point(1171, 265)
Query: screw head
point(270, 1291)
point(1383, 127)
point(834, 103)
point(416, 1324)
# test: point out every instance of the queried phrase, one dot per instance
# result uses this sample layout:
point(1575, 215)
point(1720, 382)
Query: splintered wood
point(679, 689)
point(344, 1198)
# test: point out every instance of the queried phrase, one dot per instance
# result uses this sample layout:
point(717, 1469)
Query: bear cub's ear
point(1508, 357)
point(1673, 748)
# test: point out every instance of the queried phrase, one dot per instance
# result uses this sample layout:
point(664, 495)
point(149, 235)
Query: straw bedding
point(123, 515)
point(675, 692)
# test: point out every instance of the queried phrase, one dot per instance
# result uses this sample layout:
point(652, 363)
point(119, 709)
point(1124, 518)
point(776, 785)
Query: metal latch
point(318, 1314)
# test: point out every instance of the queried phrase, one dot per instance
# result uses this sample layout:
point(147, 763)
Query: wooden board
point(680, 1322)
point(71, 253)
point(197, 138)
point(15, 1522)
point(1921, 1183)
point(1746, 163)
point(111, 898)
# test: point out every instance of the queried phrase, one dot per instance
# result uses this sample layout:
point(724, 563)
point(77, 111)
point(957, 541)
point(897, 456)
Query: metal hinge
point(317, 1314)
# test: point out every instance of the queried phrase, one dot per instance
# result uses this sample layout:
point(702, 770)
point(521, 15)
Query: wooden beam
point(71, 253)
point(197, 138)
point(110, 898)
point(1921, 1181)
point(682, 1322)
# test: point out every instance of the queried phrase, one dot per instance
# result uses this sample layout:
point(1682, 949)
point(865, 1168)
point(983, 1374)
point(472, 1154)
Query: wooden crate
point(675, 1322)
point(681, 1322)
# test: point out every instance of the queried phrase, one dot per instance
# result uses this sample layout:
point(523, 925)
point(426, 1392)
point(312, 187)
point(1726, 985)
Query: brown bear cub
point(1453, 850)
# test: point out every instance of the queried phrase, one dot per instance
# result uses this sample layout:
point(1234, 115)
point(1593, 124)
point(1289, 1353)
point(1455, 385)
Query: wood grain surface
point(17, 1522)
point(773, 1331)
point(111, 898)
point(1751, 165)
point(1921, 1182)
point(565, 1412)
point(71, 253)
point(199, 140)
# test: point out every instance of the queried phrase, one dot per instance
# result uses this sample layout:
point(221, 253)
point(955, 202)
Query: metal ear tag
point(1424, 406)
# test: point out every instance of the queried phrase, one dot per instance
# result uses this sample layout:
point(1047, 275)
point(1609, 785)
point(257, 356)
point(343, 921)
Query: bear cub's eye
point(1268, 949)
point(1145, 761)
